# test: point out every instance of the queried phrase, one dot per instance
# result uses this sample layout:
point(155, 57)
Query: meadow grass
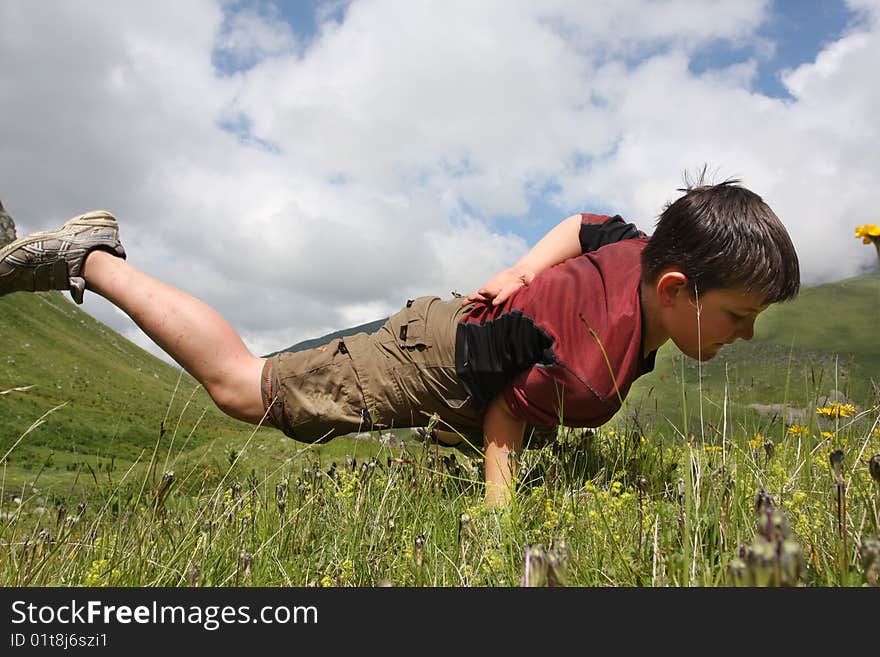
point(737, 500)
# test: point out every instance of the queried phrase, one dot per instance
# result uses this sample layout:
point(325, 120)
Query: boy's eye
point(736, 317)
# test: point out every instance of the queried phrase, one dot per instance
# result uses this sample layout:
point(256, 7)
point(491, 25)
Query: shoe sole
point(95, 219)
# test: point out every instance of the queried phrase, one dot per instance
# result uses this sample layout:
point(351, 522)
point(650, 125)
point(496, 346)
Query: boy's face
point(701, 326)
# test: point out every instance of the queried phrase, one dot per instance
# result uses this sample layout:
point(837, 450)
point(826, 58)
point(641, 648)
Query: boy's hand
point(498, 288)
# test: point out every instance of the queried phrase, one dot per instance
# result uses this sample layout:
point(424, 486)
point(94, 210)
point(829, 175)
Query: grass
point(620, 506)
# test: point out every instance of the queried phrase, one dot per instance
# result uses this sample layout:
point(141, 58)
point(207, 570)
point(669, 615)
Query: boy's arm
point(560, 244)
point(502, 440)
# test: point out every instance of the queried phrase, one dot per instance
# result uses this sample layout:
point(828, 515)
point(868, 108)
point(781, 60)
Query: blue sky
point(303, 166)
point(797, 30)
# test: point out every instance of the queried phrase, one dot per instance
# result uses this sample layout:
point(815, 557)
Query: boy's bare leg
point(190, 331)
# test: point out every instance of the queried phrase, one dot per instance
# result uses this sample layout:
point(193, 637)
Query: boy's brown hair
point(724, 236)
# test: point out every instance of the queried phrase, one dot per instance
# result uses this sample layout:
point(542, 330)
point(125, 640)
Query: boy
point(557, 339)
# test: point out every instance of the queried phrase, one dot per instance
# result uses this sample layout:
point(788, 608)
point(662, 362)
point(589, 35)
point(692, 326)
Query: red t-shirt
point(543, 347)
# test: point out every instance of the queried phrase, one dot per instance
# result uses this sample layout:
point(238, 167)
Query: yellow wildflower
point(551, 514)
point(347, 568)
point(349, 485)
point(797, 429)
point(836, 409)
point(100, 575)
point(493, 563)
point(827, 435)
point(867, 232)
point(478, 510)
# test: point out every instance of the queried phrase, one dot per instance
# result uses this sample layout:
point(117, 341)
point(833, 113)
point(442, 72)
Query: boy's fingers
point(475, 297)
point(494, 294)
point(506, 291)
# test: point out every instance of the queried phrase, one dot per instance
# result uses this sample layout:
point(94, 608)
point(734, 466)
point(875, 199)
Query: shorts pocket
point(317, 393)
point(408, 328)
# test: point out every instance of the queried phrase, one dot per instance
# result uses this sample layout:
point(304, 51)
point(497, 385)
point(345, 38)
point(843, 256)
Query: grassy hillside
point(839, 317)
point(115, 395)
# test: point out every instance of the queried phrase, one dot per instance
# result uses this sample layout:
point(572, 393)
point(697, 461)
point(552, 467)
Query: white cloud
point(249, 36)
point(374, 163)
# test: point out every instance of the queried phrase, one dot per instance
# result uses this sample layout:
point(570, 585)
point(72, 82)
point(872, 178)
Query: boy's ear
point(670, 286)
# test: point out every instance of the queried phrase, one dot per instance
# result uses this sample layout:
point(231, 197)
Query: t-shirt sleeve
point(598, 230)
point(552, 396)
point(535, 396)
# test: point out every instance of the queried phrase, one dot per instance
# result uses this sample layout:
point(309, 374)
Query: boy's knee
point(225, 402)
point(234, 403)
point(239, 397)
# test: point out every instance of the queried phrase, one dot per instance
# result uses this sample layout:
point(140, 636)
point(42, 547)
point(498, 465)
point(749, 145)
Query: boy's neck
point(653, 334)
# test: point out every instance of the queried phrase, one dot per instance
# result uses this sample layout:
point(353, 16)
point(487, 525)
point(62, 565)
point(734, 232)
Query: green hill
point(115, 395)
point(369, 327)
point(839, 317)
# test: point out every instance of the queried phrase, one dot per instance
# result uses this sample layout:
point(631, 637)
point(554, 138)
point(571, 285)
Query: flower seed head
point(874, 467)
point(245, 559)
point(869, 556)
point(193, 575)
point(167, 480)
point(836, 458)
point(763, 502)
point(419, 552)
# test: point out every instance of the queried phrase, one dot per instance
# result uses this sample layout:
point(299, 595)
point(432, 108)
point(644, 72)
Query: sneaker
point(54, 260)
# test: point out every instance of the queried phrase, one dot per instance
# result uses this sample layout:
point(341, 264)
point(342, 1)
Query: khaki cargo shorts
point(397, 377)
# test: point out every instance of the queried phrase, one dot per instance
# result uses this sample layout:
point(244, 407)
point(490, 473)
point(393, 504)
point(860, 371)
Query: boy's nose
point(747, 332)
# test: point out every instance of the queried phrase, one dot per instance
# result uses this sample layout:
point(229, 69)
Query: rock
point(792, 415)
point(387, 438)
point(7, 227)
point(833, 396)
point(421, 434)
point(391, 440)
